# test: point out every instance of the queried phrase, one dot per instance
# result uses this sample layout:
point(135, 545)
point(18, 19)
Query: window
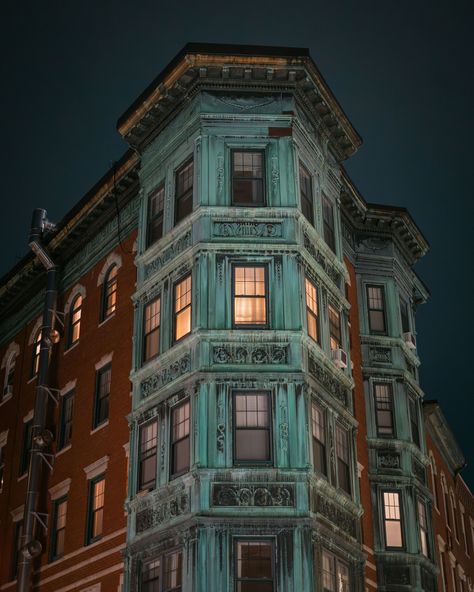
point(335, 339)
point(312, 314)
point(306, 195)
point(247, 178)
point(180, 442)
point(343, 459)
point(163, 574)
point(17, 534)
point(423, 525)
point(148, 440)
point(184, 191)
point(102, 395)
point(95, 524)
point(26, 446)
point(74, 321)
point(156, 206)
point(319, 438)
point(109, 293)
point(434, 485)
point(335, 574)
point(383, 397)
point(254, 566)
point(65, 424)
point(252, 425)
point(415, 428)
point(446, 502)
point(328, 223)
point(36, 354)
point(463, 523)
point(182, 308)
point(453, 512)
point(404, 315)
point(9, 376)
point(250, 296)
point(376, 307)
point(151, 331)
point(58, 528)
point(392, 519)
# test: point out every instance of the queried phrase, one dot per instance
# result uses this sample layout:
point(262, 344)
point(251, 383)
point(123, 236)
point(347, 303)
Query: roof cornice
point(442, 436)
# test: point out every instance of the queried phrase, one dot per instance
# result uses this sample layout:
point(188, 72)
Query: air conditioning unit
point(7, 390)
point(409, 340)
point(339, 357)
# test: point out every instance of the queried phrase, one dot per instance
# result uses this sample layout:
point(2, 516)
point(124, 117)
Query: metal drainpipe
point(41, 438)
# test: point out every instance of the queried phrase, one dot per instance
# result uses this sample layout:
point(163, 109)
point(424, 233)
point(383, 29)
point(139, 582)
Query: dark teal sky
point(401, 70)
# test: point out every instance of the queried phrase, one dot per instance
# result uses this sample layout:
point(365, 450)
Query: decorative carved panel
point(245, 494)
point(388, 460)
point(168, 374)
point(336, 515)
point(168, 254)
point(338, 390)
point(248, 229)
point(321, 260)
point(164, 512)
point(261, 353)
point(381, 355)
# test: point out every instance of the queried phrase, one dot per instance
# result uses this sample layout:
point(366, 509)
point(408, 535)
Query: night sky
point(402, 72)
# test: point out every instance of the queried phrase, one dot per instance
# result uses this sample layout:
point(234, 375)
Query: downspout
point(41, 438)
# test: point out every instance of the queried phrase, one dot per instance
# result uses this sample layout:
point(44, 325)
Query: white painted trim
point(63, 450)
point(78, 290)
point(3, 438)
point(68, 387)
point(88, 579)
point(93, 588)
point(126, 449)
point(371, 583)
point(97, 468)
point(112, 259)
point(17, 513)
point(104, 360)
point(60, 489)
point(99, 427)
point(28, 416)
point(368, 549)
point(34, 331)
point(111, 316)
point(12, 350)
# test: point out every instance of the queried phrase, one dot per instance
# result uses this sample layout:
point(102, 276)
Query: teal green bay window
point(335, 573)
point(376, 310)
point(252, 433)
point(335, 334)
point(102, 395)
point(151, 329)
point(329, 231)
point(306, 194)
point(250, 296)
point(95, 509)
point(65, 420)
point(182, 312)
point(318, 430)
point(423, 527)
point(384, 416)
point(248, 178)
point(392, 519)
point(183, 203)
point(163, 573)
point(254, 566)
point(312, 310)
point(155, 212)
point(58, 528)
point(414, 421)
point(343, 459)
point(180, 442)
point(147, 455)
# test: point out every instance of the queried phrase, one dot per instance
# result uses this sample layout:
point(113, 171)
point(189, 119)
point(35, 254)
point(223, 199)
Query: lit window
point(247, 178)
point(384, 409)
point(182, 308)
point(109, 293)
point(415, 426)
point(254, 566)
point(65, 422)
point(75, 320)
point(306, 194)
point(58, 533)
point(102, 395)
point(250, 296)
point(343, 459)
point(151, 333)
point(184, 191)
point(328, 223)
point(335, 339)
point(312, 314)
point(163, 574)
point(9, 376)
point(148, 440)
point(156, 201)
point(376, 307)
point(252, 427)
point(26, 446)
point(335, 574)
point(96, 509)
point(423, 528)
point(319, 438)
point(180, 442)
point(392, 519)
point(36, 354)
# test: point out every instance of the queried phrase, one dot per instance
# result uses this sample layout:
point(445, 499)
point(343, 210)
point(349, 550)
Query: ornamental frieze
point(388, 460)
point(168, 254)
point(321, 260)
point(249, 495)
point(380, 355)
point(337, 516)
point(229, 353)
point(168, 374)
point(157, 515)
point(338, 390)
point(248, 229)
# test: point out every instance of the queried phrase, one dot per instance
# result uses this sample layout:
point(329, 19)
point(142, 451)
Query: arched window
point(36, 354)
point(74, 329)
point(109, 293)
point(9, 375)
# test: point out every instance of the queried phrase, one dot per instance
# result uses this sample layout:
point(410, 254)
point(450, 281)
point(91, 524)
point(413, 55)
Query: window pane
point(182, 307)
point(376, 307)
point(393, 529)
point(252, 445)
point(306, 194)
point(173, 571)
point(252, 426)
point(250, 305)
point(155, 215)
point(110, 292)
point(254, 560)
point(384, 409)
point(334, 328)
point(247, 178)
point(328, 223)
point(151, 576)
point(312, 309)
point(184, 191)
point(329, 572)
point(152, 316)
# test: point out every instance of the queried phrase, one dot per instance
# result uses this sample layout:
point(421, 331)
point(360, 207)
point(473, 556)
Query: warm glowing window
point(250, 296)
point(36, 354)
point(306, 194)
point(180, 441)
point(151, 333)
point(96, 508)
point(252, 424)
point(318, 425)
point(254, 566)
point(184, 191)
point(75, 320)
point(376, 308)
point(328, 223)
point(334, 328)
point(423, 525)
point(148, 440)
point(182, 308)
point(383, 399)
point(343, 459)
point(58, 533)
point(335, 574)
point(392, 519)
point(109, 293)
point(156, 201)
point(312, 314)
point(247, 178)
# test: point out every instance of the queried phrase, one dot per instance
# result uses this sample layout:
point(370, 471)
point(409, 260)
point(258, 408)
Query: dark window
point(2, 465)
point(75, 312)
point(376, 307)
point(247, 178)
point(65, 425)
point(328, 223)
point(334, 328)
point(182, 307)
point(9, 376)
point(254, 566)
point(343, 459)
point(184, 191)
point(252, 427)
point(17, 534)
point(156, 205)
point(26, 446)
point(58, 530)
point(392, 519)
point(312, 314)
point(250, 296)
point(173, 572)
point(151, 576)
point(180, 442)
point(102, 395)
point(335, 573)
point(36, 354)
point(384, 409)
point(148, 439)
point(109, 293)
point(151, 332)
point(415, 426)
point(95, 524)
point(423, 525)
point(319, 438)
point(306, 194)
point(404, 314)
point(163, 574)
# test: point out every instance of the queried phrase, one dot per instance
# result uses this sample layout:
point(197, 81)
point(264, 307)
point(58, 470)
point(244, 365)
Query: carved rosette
point(250, 495)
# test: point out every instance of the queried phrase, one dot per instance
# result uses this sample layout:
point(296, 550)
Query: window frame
point(190, 305)
point(339, 459)
point(91, 511)
point(391, 410)
point(380, 287)
point(413, 416)
point(27, 443)
point(63, 422)
point(310, 312)
point(265, 540)
point(98, 398)
point(72, 324)
point(400, 520)
point(314, 438)
point(53, 554)
point(141, 457)
point(303, 197)
point(325, 201)
point(109, 288)
point(172, 443)
point(423, 528)
point(336, 563)
point(156, 329)
point(162, 558)
point(264, 266)
point(177, 197)
point(152, 221)
point(332, 336)
point(252, 462)
point(261, 151)
point(403, 304)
